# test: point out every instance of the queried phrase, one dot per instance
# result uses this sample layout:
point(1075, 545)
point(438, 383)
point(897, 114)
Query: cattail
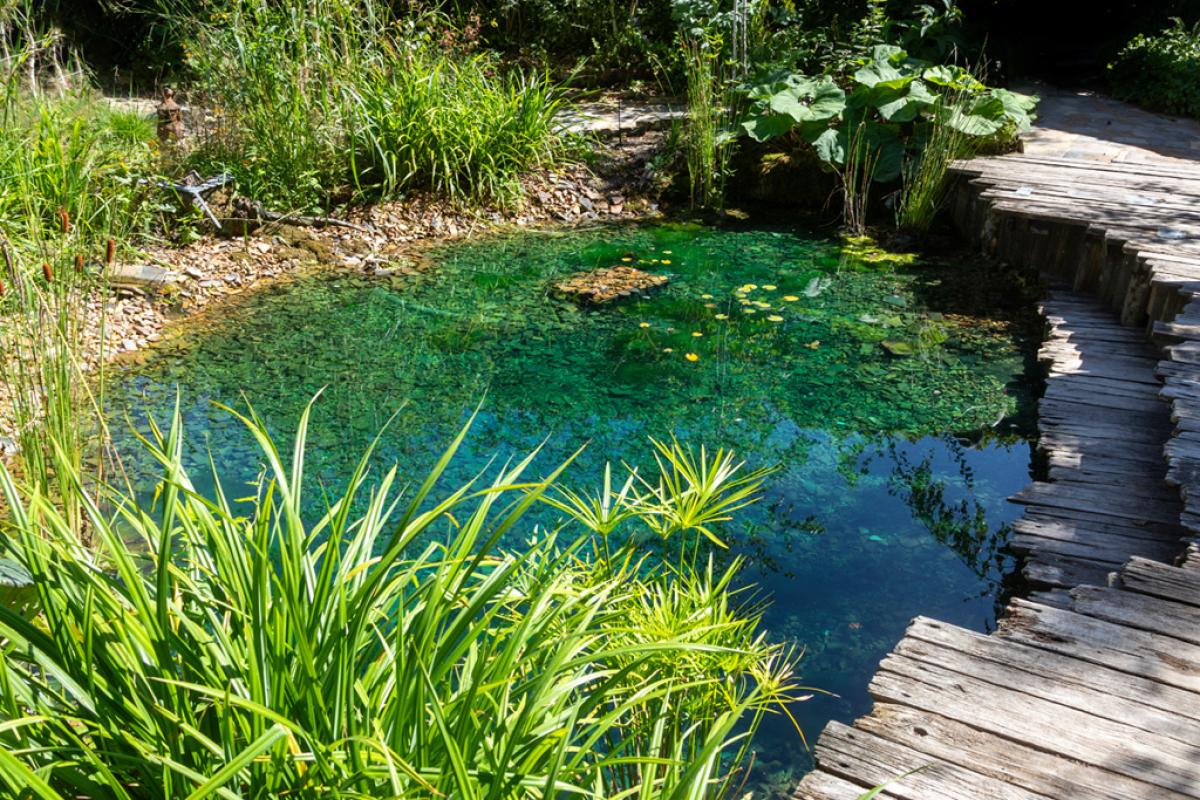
point(79, 264)
point(1, 288)
point(47, 272)
point(111, 254)
point(64, 219)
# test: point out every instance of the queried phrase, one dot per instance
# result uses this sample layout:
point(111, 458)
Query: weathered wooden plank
point(1139, 611)
point(1063, 572)
point(1113, 503)
point(855, 754)
point(1036, 770)
point(820, 785)
point(1161, 580)
point(1040, 723)
point(1107, 693)
point(1157, 658)
point(1110, 552)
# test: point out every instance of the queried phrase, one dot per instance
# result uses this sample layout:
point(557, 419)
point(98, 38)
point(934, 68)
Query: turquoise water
point(892, 395)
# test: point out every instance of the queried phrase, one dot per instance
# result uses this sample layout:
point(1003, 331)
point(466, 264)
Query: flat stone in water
point(612, 283)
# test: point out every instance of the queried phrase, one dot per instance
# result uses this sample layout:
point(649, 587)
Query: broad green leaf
point(830, 146)
point(952, 77)
point(768, 126)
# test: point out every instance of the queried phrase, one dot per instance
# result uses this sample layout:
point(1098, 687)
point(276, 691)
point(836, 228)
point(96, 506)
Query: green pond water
point(892, 394)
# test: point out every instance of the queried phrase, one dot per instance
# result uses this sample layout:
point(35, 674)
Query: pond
point(892, 392)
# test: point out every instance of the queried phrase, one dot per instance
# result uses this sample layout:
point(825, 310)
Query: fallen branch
point(253, 210)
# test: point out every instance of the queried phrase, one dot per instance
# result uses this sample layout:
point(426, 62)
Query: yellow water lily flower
point(775, 318)
point(692, 357)
point(643, 324)
point(697, 333)
point(722, 316)
point(791, 298)
point(668, 349)
point(666, 261)
point(706, 297)
point(770, 287)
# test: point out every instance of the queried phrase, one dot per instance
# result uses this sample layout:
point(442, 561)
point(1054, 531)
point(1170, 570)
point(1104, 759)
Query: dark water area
point(891, 391)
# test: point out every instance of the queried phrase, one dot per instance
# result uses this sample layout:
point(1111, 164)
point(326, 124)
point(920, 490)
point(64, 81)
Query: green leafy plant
point(886, 115)
point(313, 104)
point(211, 647)
point(1161, 71)
point(705, 135)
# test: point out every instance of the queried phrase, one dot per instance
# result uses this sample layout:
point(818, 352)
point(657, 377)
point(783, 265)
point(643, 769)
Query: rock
point(194, 272)
point(8, 446)
point(605, 285)
point(134, 275)
point(895, 347)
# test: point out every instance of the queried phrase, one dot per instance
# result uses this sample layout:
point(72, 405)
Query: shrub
point(218, 648)
point(1162, 71)
point(312, 102)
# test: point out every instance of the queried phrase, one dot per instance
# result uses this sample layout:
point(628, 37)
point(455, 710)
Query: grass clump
point(314, 104)
point(68, 171)
point(216, 648)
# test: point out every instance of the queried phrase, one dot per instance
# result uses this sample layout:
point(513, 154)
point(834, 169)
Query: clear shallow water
point(895, 469)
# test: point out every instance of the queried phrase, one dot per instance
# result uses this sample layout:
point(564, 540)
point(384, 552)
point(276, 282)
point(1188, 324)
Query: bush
point(391, 647)
point(313, 103)
point(1161, 72)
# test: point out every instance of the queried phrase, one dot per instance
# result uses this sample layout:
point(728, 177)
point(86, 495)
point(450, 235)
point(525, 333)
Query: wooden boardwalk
point(1090, 687)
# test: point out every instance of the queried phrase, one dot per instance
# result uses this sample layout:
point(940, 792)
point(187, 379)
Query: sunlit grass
point(216, 647)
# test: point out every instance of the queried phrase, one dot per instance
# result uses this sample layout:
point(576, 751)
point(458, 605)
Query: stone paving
point(609, 117)
point(1089, 126)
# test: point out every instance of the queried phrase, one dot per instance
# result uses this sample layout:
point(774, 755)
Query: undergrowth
point(312, 104)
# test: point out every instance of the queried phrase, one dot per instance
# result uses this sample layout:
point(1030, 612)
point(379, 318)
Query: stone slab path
point(1090, 688)
point(610, 118)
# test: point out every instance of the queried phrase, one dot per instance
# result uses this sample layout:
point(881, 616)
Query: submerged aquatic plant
point(212, 647)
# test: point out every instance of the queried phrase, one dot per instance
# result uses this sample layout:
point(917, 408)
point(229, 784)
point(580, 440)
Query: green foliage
point(319, 103)
point(1161, 71)
point(892, 107)
point(68, 154)
point(463, 126)
point(218, 648)
point(705, 135)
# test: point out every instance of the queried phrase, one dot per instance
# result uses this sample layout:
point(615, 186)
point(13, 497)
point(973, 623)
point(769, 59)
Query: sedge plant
point(420, 643)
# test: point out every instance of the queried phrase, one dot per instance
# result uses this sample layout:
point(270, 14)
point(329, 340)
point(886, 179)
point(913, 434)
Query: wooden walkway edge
point(1090, 687)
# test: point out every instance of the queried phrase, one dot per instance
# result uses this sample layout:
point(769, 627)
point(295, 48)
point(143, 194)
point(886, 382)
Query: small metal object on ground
point(192, 190)
point(608, 284)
